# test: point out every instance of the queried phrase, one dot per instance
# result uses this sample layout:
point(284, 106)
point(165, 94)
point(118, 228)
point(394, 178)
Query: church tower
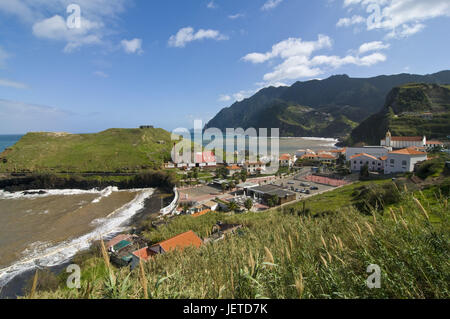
point(388, 139)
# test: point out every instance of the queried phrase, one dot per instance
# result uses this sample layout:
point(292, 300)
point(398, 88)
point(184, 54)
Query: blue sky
point(169, 62)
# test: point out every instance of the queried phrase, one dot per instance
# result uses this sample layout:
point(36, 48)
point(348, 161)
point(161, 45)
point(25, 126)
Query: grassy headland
point(113, 150)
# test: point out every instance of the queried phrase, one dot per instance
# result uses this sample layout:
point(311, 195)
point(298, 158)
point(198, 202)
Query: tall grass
point(280, 254)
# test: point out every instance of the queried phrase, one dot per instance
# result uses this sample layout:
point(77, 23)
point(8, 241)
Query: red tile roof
point(407, 138)
point(383, 158)
point(434, 142)
point(328, 156)
point(285, 157)
point(408, 151)
point(181, 241)
point(363, 154)
point(144, 253)
point(203, 212)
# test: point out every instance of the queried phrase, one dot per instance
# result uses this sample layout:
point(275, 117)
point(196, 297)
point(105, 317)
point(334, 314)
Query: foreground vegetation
point(294, 252)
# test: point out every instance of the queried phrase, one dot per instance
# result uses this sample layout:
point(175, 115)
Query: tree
point(232, 206)
point(248, 204)
point(232, 185)
point(244, 175)
point(222, 172)
point(224, 187)
point(364, 172)
point(273, 201)
point(195, 173)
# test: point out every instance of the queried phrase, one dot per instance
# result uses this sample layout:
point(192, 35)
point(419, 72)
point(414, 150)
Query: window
point(404, 163)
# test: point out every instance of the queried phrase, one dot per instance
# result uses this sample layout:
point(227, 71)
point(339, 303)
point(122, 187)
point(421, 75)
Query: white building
point(403, 160)
point(397, 142)
point(376, 151)
point(432, 144)
point(286, 160)
point(254, 167)
point(375, 164)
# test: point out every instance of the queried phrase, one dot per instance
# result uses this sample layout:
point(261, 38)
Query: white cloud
point(345, 22)
point(373, 46)
point(132, 46)
point(188, 34)
point(211, 5)
point(12, 84)
point(55, 28)
point(101, 74)
point(290, 48)
point(47, 19)
point(400, 18)
point(236, 16)
point(224, 98)
point(271, 4)
point(298, 60)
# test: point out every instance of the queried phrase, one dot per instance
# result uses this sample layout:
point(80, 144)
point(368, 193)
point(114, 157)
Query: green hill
point(329, 108)
point(410, 110)
point(113, 150)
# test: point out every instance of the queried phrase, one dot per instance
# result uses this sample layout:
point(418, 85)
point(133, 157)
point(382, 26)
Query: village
point(208, 186)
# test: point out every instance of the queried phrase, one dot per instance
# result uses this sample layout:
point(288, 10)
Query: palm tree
point(232, 206)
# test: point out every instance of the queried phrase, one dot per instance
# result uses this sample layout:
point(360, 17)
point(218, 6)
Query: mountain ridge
point(342, 100)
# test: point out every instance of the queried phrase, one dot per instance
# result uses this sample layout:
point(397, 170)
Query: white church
point(398, 142)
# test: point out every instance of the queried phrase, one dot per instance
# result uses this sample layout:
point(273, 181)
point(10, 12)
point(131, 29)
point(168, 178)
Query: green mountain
point(410, 110)
point(327, 108)
point(113, 150)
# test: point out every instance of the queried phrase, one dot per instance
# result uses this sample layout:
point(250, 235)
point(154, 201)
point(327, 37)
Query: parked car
point(291, 182)
point(307, 192)
point(305, 184)
point(298, 190)
point(314, 188)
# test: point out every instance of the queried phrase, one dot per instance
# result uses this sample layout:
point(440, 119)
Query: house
point(144, 254)
point(266, 192)
point(310, 157)
point(374, 164)
point(180, 241)
point(254, 167)
point(326, 158)
point(206, 158)
point(286, 160)
point(233, 169)
point(338, 152)
point(376, 151)
point(114, 241)
point(211, 205)
point(432, 144)
point(400, 142)
point(402, 161)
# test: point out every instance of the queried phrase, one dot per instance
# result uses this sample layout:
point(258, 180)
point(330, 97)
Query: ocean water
point(8, 140)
